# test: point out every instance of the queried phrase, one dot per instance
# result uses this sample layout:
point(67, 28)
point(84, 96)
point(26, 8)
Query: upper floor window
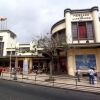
point(82, 30)
point(1, 38)
point(1, 48)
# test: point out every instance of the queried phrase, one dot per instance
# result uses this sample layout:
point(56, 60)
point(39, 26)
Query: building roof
point(9, 31)
point(81, 10)
point(57, 23)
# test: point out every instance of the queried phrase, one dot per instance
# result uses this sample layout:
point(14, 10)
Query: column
point(68, 26)
point(58, 66)
point(30, 65)
point(44, 65)
point(96, 23)
point(25, 66)
point(70, 65)
point(16, 62)
point(98, 60)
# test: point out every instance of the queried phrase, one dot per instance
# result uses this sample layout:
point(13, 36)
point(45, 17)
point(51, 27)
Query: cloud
point(29, 18)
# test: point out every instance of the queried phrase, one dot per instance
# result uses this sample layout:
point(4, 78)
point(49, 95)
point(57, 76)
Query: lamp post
point(15, 72)
point(15, 58)
point(10, 60)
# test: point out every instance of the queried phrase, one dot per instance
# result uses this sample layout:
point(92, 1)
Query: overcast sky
point(30, 18)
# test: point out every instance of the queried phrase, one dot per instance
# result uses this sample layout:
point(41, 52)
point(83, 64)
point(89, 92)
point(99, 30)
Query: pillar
point(16, 62)
point(30, 65)
point(98, 60)
point(25, 66)
point(96, 23)
point(44, 66)
point(70, 65)
point(58, 66)
point(68, 26)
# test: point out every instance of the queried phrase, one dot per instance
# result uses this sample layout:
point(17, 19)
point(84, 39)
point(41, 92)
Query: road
point(19, 91)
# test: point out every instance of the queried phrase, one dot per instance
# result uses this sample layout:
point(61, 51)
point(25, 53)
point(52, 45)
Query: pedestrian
point(0, 70)
point(95, 77)
point(91, 75)
point(78, 74)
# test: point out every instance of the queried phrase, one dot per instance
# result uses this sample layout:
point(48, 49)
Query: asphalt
point(12, 90)
point(61, 82)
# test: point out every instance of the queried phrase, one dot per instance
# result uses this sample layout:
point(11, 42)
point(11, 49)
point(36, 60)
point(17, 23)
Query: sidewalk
point(58, 82)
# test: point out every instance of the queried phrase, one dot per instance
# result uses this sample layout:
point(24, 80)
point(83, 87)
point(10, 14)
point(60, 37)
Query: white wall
point(8, 41)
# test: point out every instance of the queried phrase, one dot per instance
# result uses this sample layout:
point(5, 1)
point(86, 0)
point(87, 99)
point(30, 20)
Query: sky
point(32, 18)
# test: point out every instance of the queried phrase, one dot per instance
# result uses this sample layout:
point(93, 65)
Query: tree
point(52, 47)
point(49, 44)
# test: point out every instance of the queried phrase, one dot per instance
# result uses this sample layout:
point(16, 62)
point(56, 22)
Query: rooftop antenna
point(3, 23)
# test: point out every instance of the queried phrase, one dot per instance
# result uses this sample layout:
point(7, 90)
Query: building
point(14, 54)
point(7, 40)
point(80, 32)
point(30, 53)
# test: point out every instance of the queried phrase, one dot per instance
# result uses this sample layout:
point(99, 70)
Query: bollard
point(76, 82)
point(53, 80)
point(22, 76)
point(35, 79)
point(15, 76)
point(2, 74)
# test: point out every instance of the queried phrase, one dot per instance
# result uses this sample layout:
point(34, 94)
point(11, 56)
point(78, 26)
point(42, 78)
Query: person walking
point(91, 75)
point(0, 70)
point(95, 77)
point(78, 74)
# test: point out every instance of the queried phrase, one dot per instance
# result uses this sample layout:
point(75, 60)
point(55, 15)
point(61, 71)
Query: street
point(10, 90)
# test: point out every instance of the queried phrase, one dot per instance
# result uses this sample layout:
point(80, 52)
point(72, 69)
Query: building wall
point(75, 16)
point(59, 27)
point(8, 41)
point(33, 49)
point(83, 15)
point(78, 16)
point(71, 59)
point(5, 39)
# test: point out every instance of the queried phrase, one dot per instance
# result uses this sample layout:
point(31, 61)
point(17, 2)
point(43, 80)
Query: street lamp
point(10, 60)
point(15, 72)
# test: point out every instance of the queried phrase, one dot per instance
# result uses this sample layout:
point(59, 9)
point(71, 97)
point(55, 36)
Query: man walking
point(91, 75)
point(78, 74)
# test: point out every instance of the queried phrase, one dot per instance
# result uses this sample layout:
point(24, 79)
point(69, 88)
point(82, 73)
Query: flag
point(2, 18)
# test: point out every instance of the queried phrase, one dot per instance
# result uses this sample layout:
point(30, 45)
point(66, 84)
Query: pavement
point(58, 81)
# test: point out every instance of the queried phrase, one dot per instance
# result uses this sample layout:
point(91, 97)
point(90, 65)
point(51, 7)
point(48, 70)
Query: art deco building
point(80, 32)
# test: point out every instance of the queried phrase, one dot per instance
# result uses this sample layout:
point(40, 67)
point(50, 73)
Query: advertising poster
point(85, 61)
point(25, 67)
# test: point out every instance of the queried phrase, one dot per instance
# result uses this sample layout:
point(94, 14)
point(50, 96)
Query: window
point(1, 48)
point(1, 38)
point(90, 34)
point(62, 36)
point(74, 30)
point(8, 53)
point(24, 49)
point(82, 30)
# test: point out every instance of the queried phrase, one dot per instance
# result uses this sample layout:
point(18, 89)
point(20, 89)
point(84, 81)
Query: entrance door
point(20, 64)
point(63, 64)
